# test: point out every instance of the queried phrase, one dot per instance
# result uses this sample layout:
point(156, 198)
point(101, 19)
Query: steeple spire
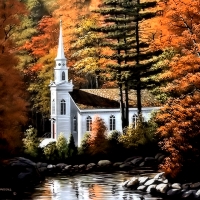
point(60, 53)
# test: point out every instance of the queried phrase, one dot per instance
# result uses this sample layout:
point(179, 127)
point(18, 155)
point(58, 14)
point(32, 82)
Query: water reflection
point(87, 187)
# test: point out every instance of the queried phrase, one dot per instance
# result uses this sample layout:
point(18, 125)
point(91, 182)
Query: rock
point(173, 192)
point(176, 186)
point(165, 181)
point(131, 158)
point(150, 182)
point(75, 168)
point(151, 188)
point(44, 165)
point(82, 167)
point(142, 164)
point(90, 167)
point(162, 188)
point(126, 166)
point(161, 158)
point(188, 193)
point(143, 179)
point(186, 185)
point(104, 163)
point(149, 159)
point(19, 174)
point(142, 188)
point(158, 155)
point(68, 167)
point(133, 182)
point(136, 161)
point(124, 184)
point(42, 170)
point(197, 194)
point(38, 164)
point(195, 185)
point(160, 176)
point(117, 164)
point(50, 166)
point(61, 165)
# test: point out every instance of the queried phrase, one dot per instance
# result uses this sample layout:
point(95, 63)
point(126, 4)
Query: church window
point(63, 107)
point(53, 107)
point(63, 76)
point(75, 124)
point(88, 123)
point(134, 120)
point(112, 123)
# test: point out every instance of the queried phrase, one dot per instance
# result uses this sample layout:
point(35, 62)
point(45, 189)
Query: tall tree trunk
point(121, 106)
point(138, 90)
point(126, 105)
point(97, 81)
point(139, 104)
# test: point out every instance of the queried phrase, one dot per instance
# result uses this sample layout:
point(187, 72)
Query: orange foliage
point(40, 45)
point(97, 141)
point(179, 120)
point(12, 96)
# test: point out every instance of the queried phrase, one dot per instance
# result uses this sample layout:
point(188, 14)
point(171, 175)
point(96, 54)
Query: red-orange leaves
point(97, 141)
point(47, 38)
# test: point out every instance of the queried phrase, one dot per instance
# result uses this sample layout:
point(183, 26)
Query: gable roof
point(109, 99)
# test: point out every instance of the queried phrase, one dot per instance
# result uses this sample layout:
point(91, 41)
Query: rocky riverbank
point(20, 174)
point(130, 164)
point(159, 185)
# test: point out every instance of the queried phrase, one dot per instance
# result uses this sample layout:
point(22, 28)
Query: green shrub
point(84, 147)
point(50, 152)
point(62, 146)
point(31, 142)
point(140, 138)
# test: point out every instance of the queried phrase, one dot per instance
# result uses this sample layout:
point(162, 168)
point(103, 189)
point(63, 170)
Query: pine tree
point(130, 60)
point(72, 149)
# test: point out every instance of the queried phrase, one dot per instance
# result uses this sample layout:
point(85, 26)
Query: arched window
point(134, 120)
point(75, 124)
point(63, 76)
point(88, 123)
point(63, 107)
point(53, 107)
point(112, 123)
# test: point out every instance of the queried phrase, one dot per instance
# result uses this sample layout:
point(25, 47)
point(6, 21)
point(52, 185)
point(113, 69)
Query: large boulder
point(162, 188)
point(104, 163)
point(126, 166)
point(19, 174)
point(137, 161)
point(132, 183)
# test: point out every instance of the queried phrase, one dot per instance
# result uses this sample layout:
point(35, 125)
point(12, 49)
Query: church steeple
point(61, 70)
point(60, 53)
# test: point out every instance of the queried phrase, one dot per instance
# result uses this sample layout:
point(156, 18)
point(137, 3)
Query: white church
point(72, 110)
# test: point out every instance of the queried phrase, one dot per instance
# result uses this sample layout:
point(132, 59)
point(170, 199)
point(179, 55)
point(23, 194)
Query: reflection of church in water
point(72, 110)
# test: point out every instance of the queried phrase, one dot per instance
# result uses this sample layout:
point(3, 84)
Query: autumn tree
point(178, 120)
point(87, 50)
point(130, 59)
point(97, 140)
point(12, 93)
point(41, 47)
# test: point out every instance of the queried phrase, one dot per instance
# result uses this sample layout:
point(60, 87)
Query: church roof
point(109, 99)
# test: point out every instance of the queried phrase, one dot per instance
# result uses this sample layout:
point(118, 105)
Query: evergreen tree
point(72, 149)
point(130, 58)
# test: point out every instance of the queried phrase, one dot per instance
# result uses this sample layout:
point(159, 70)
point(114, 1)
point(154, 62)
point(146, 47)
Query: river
point(98, 186)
